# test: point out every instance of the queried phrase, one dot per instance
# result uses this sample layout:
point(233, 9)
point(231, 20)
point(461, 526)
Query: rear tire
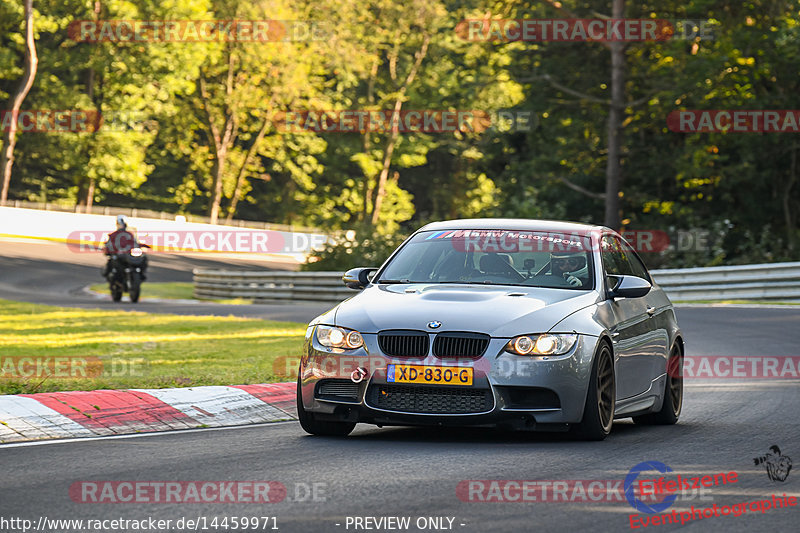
point(598, 411)
point(673, 394)
point(317, 427)
point(116, 292)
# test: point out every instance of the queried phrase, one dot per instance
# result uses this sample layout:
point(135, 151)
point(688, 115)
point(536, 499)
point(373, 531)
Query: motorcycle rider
point(571, 266)
point(121, 241)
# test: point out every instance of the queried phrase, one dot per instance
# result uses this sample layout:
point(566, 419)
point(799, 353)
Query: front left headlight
point(335, 337)
point(544, 344)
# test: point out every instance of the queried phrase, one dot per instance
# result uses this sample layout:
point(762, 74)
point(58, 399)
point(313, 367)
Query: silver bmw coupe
point(521, 324)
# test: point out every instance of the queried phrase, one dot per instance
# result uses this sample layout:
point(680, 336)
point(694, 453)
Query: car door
point(659, 310)
point(631, 326)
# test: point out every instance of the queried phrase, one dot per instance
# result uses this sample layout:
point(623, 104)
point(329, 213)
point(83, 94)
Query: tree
point(10, 135)
point(240, 89)
point(616, 111)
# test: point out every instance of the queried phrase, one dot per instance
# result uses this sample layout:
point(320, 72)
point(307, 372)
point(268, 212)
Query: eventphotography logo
point(631, 482)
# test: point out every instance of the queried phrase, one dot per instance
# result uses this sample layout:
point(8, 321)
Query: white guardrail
point(768, 281)
point(270, 286)
point(775, 281)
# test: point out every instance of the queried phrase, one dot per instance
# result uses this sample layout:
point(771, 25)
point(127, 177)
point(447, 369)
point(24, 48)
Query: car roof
point(511, 224)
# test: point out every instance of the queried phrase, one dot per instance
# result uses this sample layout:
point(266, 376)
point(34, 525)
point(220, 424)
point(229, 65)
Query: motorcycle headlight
point(335, 337)
point(136, 252)
point(544, 344)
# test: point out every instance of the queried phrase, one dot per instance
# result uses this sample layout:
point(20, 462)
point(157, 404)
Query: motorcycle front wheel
point(135, 286)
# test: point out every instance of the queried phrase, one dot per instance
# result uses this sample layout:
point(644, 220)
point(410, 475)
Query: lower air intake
point(337, 389)
point(431, 400)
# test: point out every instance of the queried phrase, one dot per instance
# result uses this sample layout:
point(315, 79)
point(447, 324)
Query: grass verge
point(169, 291)
point(47, 348)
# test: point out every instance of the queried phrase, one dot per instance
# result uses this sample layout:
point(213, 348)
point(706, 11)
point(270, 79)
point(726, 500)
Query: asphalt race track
point(415, 473)
point(49, 273)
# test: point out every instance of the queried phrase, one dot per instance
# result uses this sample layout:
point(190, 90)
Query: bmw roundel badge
point(435, 324)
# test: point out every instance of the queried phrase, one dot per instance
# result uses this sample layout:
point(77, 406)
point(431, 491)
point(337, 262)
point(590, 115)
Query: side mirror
point(629, 287)
point(358, 278)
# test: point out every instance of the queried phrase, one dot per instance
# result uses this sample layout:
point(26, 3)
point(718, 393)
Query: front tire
point(136, 287)
point(598, 411)
point(673, 394)
point(318, 427)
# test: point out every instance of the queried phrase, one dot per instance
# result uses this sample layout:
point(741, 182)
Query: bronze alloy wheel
point(598, 411)
point(605, 388)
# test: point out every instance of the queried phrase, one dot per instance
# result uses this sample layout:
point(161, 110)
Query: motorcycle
point(126, 273)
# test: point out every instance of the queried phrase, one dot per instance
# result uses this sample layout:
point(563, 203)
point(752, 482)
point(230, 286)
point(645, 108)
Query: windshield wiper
point(388, 281)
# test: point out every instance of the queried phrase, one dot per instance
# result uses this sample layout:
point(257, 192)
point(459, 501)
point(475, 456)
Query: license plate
point(433, 375)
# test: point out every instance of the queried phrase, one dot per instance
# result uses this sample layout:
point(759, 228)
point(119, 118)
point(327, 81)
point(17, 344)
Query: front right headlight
point(543, 344)
point(335, 337)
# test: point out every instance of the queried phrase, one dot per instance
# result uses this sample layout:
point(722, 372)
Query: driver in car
point(571, 266)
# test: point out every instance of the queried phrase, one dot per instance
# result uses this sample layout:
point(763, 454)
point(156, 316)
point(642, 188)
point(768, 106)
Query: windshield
point(494, 257)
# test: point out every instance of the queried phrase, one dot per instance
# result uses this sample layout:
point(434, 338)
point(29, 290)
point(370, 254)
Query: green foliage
point(363, 246)
point(741, 188)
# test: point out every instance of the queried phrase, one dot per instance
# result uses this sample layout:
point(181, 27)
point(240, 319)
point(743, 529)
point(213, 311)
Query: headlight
point(136, 252)
point(333, 337)
point(544, 344)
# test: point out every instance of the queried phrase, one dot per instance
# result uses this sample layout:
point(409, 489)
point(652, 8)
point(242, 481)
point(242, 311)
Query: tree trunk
point(86, 193)
point(787, 207)
point(617, 108)
point(218, 172)
point(10, 137)
point(89, 196)
point(240, 179)
point(367, 139)
point(380, 192)
point(220, 141)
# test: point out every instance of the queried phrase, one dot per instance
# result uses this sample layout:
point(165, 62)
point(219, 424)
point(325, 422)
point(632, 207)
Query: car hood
point(500, 311)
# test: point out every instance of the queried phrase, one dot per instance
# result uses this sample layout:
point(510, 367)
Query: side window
point(623, 258)
point(610, 253)
point(637, 268)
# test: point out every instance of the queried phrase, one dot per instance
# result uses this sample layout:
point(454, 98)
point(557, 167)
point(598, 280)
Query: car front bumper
point(518, 392)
